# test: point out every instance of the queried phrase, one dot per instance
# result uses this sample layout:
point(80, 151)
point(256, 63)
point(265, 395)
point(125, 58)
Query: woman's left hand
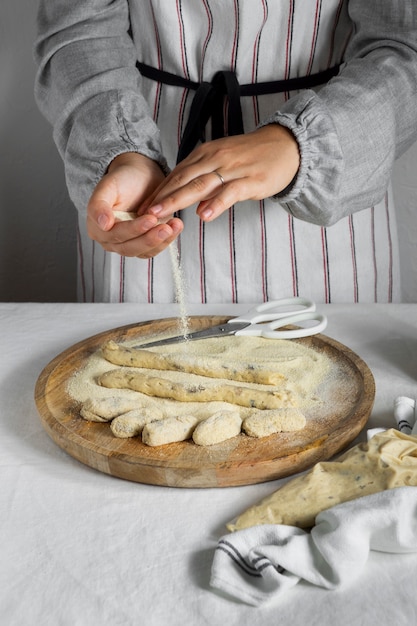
point(219, 173)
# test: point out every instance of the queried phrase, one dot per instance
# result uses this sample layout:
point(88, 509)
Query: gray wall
point(37, 220)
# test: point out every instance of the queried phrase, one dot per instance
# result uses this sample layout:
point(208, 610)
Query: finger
point(101, 214)
point(185, 171)
point(228, 196)
point(107, 205)
point(155, 247)
point(122, 230)
point(101, 203)
point(183, 191)
point(150, 243)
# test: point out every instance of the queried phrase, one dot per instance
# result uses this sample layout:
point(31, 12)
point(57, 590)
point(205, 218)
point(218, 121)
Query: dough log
point(132, 423)
point(217, 428)
point(202, 366)
point(169, 430)
point(265, 423)
point(163, 388)
point(105, 409)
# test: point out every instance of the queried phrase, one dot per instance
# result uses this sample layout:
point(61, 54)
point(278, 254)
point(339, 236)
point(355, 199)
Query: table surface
point(79, 547)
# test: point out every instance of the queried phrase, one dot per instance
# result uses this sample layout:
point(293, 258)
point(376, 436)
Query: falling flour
point(179, 282)
point(180, 288)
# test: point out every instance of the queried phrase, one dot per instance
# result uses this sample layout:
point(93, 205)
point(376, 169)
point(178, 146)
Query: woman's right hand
point(130, 179)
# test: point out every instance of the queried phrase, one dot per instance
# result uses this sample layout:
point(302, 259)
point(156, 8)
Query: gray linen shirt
point(350, 131)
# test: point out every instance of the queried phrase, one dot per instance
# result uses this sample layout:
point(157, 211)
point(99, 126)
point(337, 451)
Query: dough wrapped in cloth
point(388, 460)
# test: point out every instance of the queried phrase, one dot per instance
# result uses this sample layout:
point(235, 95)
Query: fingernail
point(155, 210)
point(206, 214)
point(103, 221)
point(176, 227)
point(148, 224)
point(162, 234)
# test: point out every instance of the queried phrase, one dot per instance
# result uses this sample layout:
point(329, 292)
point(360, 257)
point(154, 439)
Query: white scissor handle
point(268, 311)
point(270, 331)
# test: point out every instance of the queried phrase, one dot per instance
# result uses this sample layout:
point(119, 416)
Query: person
point(259, 135)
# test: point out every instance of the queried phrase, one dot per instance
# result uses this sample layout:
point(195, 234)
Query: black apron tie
point(210, 98)
point(209, 102)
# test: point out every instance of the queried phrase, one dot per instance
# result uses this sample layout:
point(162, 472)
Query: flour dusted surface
point(302, 368)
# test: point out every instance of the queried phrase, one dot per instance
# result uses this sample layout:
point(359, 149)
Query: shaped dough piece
point(265, 423)
point(105, 409)
point(202, 366)
point(169, 430)
point(387, 461)
point(132, 423)
point(223, 392)
point(217, 428)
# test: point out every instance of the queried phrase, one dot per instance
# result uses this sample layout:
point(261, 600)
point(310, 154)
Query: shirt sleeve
point(351, 131)
point(88, 87)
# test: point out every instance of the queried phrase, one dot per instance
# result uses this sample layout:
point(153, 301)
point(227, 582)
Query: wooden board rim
point(178, 471)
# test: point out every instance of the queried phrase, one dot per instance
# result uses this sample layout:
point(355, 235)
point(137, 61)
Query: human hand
point(130, 178)
point(220, 173)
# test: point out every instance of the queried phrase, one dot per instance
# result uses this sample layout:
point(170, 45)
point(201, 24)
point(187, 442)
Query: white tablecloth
point(81, 548)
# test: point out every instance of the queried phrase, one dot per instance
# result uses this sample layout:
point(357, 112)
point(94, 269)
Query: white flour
point(179, 283)
point(303, 368)
point(180, 288)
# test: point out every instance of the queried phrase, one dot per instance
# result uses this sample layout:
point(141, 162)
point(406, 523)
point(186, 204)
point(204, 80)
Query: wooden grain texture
point(239, 461)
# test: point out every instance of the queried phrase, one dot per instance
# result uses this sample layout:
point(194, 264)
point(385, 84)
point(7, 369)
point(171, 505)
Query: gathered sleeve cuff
point(351, 130)
point(88, 88)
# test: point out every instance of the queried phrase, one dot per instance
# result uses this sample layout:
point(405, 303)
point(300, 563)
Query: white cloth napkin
point(405, 415)
point(262, 562)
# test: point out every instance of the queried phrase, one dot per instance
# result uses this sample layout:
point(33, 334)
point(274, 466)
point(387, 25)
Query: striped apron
point(255, 251)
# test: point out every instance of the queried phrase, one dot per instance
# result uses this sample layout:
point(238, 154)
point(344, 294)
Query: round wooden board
point(238, 461)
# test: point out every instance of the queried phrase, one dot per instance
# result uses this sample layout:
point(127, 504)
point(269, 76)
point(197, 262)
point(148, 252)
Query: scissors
point(254, 323)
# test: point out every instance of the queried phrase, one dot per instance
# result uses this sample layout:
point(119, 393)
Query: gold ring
point(223, 182)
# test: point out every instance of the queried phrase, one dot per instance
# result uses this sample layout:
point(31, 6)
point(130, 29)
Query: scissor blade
point(222, 330)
